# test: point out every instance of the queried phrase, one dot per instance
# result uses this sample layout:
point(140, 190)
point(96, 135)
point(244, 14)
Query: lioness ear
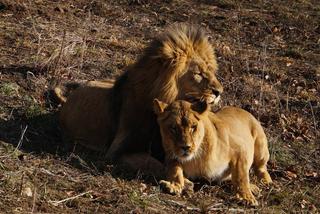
point(199, 106)
point(158, 106)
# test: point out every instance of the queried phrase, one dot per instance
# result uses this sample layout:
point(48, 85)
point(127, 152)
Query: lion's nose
point(186, 148)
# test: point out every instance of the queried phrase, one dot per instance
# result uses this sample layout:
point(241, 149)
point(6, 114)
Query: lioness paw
point(266, 179)
point(255, 190)
point(172, 188)
point(248, 198)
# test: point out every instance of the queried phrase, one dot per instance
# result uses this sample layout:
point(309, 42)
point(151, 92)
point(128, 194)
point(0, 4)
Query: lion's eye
point(198, 78)
point(194, 128)
point(174, 130)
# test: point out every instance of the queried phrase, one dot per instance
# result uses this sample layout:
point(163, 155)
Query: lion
point(85, 115)
point(216, 146)
point(178, 64)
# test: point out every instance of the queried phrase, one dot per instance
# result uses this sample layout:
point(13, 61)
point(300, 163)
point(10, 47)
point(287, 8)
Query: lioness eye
point(193, 128)
point(198, 78)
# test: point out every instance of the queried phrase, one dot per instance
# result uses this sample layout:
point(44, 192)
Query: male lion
point(86, 116)
point(200, 143)
point(179, 64)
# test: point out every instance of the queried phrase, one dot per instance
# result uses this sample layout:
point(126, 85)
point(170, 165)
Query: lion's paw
point(171, 187)
point(188, 185)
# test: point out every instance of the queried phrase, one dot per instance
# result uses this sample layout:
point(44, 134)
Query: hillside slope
point(269, 63)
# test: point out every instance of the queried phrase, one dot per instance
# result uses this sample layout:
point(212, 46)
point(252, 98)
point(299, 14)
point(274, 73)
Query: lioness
point(200, 143)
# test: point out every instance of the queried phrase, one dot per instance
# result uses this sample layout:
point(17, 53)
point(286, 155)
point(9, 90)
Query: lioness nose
point(216, 92)
point(186, 148)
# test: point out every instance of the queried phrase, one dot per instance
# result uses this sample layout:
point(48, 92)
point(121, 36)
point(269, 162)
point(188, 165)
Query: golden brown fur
point(85, 115)
point(200, 143)
point(179, 64)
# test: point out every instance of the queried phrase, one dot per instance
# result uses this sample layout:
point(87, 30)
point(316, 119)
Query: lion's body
point(224, 144)
point(86, 118)
point(179, 64)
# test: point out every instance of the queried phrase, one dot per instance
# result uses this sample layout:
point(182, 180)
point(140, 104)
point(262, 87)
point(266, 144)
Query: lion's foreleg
point(143, 162)
point(121, 135)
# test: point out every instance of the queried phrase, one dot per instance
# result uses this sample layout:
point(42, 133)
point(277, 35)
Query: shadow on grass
point(36, 131)
point(23, 70)
point(41, 136)
point(36, 135)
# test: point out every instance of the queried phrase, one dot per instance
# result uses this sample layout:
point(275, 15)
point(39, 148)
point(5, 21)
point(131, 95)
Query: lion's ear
point(158, 106)
point(200, 106)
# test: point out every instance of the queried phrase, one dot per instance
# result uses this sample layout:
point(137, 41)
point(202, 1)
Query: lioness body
point(229, 134)
point(215, 146)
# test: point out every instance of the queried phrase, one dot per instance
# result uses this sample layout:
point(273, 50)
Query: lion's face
point(181, 128)
point(200, 82)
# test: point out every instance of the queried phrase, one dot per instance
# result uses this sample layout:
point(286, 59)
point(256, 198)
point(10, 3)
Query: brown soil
point(269, 58)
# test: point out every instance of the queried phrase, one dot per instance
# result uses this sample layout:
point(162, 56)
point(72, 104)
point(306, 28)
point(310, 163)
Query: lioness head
point(181, 127)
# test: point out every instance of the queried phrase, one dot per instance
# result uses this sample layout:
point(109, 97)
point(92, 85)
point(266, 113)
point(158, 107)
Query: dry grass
point(269, 58)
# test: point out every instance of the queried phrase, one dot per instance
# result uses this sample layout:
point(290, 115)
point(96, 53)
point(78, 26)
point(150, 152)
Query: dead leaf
point(311, 174)
point(27, 192)
point(291, 175)
point(303, 203)
point(70, 193)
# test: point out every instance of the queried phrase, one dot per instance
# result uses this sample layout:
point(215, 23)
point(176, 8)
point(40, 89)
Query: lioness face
point(181, 128)
point(199, 81)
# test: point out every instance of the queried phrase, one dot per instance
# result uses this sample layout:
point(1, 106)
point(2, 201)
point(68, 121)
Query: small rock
point(27, 192)
point(143, 187)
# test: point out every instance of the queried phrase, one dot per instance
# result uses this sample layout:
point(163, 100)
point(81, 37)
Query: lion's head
point(181, 127)
point(179, 64)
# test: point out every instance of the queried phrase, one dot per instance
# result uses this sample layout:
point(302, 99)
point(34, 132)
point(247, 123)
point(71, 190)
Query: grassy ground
point(269, 57)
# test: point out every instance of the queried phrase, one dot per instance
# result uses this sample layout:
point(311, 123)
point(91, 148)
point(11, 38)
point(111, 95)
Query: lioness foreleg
point(175, 180)
point(241, 182)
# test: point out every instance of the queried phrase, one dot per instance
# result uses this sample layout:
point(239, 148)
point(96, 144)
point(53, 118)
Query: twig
point(21, 139)
point(314, 118)
point(34, 199)
point(43, 170)
point(56, 203)
point(182, 204)
point(21, 184)
point(210, 208)
point(83, 49)
point(227, 209)
point(214, 205)
point(60, 53)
